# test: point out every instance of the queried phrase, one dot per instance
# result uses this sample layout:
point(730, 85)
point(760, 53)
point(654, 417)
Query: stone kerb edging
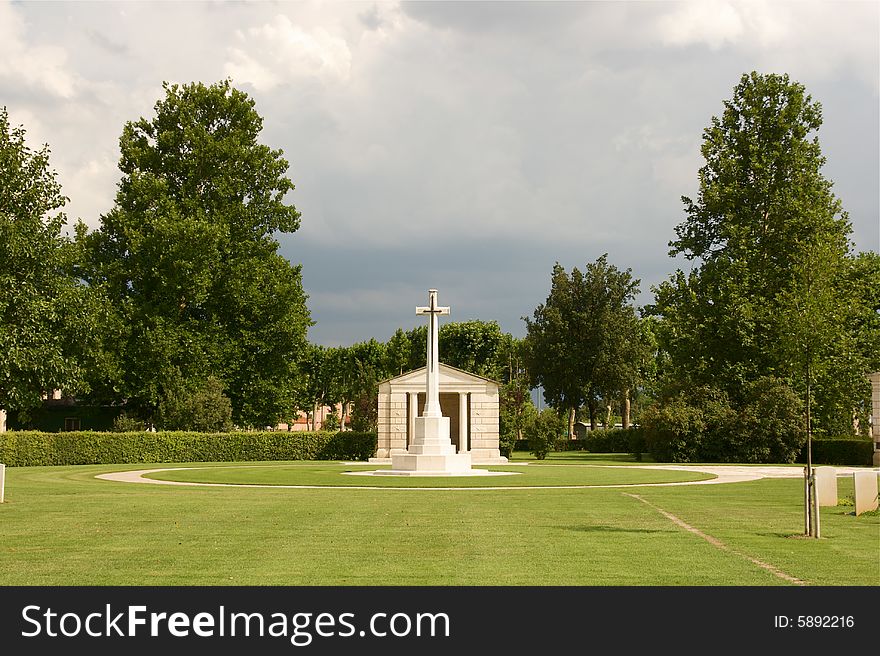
point(723, 473)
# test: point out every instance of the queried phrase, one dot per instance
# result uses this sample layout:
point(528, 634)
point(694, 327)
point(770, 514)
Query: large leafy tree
point(354, 373)
point(317, 382)
point(398, 353)
point(366, 366)
point(46, 315)
point(475, 346)
point(584, 343)
point(515, 407)
point(188, 256)
point(769, 241)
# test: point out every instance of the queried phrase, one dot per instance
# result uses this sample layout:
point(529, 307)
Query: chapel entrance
point(449, 407)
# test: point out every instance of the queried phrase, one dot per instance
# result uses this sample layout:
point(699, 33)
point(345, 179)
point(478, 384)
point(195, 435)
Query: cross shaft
point(432, 383)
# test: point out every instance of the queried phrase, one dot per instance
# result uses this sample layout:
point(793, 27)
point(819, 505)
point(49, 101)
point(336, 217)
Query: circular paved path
point(723, 473)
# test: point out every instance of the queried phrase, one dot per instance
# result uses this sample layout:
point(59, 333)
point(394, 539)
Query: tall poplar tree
point(765, 215)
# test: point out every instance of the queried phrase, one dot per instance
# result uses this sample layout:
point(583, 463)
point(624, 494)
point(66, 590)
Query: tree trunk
point(812, 508)
point(607, 416)
point(571, 413)
point(626, 409)
point(591, 404)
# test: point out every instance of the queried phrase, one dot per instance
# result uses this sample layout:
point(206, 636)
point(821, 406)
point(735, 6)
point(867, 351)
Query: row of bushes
point(840, 451)
point(34, 448)
point(612, 440)
point(826, 451)
point(766, 426)
point(702, 424)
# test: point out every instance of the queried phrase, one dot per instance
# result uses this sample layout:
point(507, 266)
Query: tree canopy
point(584, 343)
point(189, 261)
point(773, 273)
point(46, 314)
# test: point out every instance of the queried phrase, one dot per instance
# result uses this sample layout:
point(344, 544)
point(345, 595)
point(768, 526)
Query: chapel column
point(462, 422)
point(412, 408)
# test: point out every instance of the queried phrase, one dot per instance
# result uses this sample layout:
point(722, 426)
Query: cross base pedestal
point(407, 464)
point(431, 452)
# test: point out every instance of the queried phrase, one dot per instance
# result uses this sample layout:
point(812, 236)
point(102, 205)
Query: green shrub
point(125, 424)
point(856, 451)
point(204, 409)
point(543, 433)
point(699, 425)
point(516, 413)
point(769, 427)
point(565, 444)
point(636, 442)
point(31, 448)
point(507, 443)
point(611, 440)
point(364, 412)
point(688, 427)
point(331, 422)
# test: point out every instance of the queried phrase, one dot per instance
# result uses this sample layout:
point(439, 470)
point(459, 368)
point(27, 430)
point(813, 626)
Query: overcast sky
point(462, 146)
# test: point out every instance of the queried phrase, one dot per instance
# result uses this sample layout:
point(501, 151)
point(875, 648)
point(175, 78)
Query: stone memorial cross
point(432, 388)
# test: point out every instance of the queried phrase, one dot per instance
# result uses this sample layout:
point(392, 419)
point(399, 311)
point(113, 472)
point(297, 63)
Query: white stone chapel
point(470, 402)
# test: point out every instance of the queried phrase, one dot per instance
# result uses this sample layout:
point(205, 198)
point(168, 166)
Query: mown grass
point(61, 526)
point(333, 474)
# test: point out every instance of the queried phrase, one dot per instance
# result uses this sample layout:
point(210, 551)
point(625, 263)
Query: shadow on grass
point(614, 529)
point(580, 456)
point(779, 534)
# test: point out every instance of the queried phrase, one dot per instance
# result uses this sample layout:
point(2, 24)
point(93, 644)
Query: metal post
point(806, 503)
point(2, 482)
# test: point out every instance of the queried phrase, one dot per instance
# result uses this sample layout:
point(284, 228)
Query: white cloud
point(281, 51)
point(712, 23)
point(717, 23)
point(35, 66)
point(807, 39)
point(93, 181)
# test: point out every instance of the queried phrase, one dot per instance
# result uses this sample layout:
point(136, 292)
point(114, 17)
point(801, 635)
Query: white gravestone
point(826, 485)
point(865, 488)
point(431, 452)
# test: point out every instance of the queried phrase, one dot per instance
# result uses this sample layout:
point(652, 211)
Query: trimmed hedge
point(840, 451)
point(613, 440)
point(33, 448)
point(826, 451)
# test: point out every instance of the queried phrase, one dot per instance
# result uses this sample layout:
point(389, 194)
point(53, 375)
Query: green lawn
point(331, 474)
point(63, 527)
